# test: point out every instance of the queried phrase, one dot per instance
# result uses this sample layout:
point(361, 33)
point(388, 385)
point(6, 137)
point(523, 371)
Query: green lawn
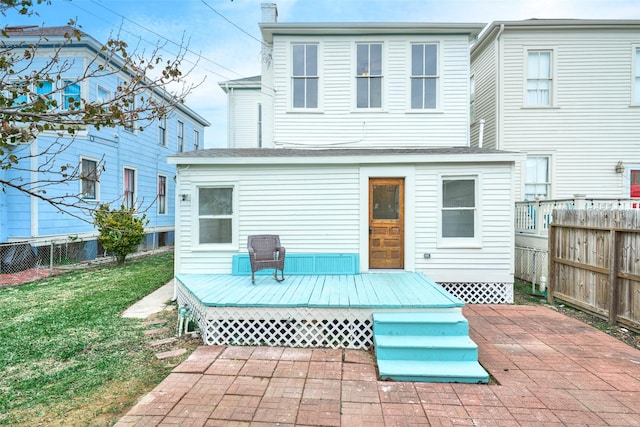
point(64, 348)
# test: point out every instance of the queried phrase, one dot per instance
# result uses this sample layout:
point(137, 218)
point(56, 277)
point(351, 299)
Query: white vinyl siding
point(483, 69)
point(340, 125)
point(243, 117)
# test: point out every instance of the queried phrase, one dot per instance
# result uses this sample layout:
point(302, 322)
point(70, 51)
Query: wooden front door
point(386, 223)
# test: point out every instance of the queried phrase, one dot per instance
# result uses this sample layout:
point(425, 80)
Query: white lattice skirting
point(481, 293)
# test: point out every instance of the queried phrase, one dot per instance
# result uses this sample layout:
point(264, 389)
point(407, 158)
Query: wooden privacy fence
point(594, 262)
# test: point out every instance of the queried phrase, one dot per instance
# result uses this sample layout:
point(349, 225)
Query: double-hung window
point(636, 75)
point(162, 131)
point(424, 76)
point(129, 188)
point(196, 139)
point(305, 75)
point(539, 78)
point(369, 75)
point(459, 210)
point(162, 194)
point(180, 137)
point(215, 215)
point(536, 178)
point(71, 96)
point(89, 179)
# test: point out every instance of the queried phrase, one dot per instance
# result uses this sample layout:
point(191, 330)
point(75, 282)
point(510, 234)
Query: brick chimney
point(269, 13)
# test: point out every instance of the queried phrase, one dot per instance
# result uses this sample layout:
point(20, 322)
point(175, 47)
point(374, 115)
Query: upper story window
point(130, 122)
point(424, 76)
point(71, 96)
point(162, 194)
point(180, 137)
point(42, 87)
point(129, 188)
point(196, 139)
point(636, 75)
point(89, 178)
point(369, 75)
point(162, 130)
point(103, 95)
point(536, 178)
point(305, 75)
point(539, 78)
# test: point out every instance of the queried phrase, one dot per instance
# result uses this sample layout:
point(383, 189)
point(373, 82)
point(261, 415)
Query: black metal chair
point(265, 252)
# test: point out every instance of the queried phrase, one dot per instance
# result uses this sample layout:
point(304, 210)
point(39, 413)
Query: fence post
point(579, 201)
point(551, 280)
point(51, 257)
point(613, 276)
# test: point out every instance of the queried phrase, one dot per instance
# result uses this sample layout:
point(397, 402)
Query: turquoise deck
point(401, 290)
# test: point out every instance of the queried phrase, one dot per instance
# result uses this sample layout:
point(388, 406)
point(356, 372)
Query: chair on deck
point(265, 252)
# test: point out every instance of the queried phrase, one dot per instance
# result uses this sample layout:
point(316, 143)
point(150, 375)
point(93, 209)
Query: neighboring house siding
point(243, 117)
point(483, 69)
point(338, 123)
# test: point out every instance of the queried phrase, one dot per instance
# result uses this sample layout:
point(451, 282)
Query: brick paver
point(549, 370)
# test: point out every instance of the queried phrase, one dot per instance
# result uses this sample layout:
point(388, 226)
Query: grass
point(63, 345)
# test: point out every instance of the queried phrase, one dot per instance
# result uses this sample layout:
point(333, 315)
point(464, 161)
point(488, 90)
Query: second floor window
point(162, 131)
point(539, 78)
point(424, 76)
point(369, 75)
point(305, 75)
point(196, 140)
point(89, 179)
point(129, 194)
point(162, 194)
point(180, 137)
point(636, 77)
point(71, 96)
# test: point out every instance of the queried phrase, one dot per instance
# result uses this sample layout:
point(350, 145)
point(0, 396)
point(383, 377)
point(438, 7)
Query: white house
point(364, 152)
point(566, 93)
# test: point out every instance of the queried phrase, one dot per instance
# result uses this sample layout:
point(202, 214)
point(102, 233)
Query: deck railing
point(533, 217)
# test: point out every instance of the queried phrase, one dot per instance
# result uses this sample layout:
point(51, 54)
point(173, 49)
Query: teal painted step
point(431, 371)
point(429, 323)
point(411, 347)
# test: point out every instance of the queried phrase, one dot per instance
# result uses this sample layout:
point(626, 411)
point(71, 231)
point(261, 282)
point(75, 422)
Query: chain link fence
point(532, 265)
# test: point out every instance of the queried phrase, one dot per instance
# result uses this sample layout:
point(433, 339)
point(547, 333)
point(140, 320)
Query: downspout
point(498, 122)
point(480, 132)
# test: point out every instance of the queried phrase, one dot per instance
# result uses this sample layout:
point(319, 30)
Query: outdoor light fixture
point(619, 167)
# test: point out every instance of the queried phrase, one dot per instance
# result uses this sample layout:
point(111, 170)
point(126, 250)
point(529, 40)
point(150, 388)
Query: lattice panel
point(290, 327)
point(481, 293)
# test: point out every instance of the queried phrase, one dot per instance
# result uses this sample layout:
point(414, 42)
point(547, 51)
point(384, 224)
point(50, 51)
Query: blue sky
point(228, 52)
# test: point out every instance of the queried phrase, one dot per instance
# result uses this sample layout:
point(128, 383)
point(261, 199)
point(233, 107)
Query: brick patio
point(550, 370)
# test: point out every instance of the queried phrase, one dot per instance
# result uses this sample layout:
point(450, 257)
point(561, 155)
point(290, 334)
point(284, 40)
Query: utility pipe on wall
point(480, 133)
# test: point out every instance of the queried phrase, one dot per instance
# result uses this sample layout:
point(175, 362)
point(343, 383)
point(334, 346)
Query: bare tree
point(36, 101)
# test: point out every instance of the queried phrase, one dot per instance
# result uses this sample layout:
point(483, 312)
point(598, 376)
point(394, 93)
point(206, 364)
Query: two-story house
point(566, 93)
point(117, 165)
point(355, 142)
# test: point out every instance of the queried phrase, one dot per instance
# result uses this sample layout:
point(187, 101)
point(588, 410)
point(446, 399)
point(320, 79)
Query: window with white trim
point(369, 75)
point(180, 137)
point(129, 188)
point(162, 194)
point(215, 215)
point(71, 96)
point(539, 78)
point(304, 75)
point(103, 95)
point(196, 139)
point(89, 178)
point(536, 178)
point(459, 216)
point(162, 131)
point(636, 75)
point(424, 76)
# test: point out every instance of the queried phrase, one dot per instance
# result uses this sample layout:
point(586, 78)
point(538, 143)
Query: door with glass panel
point(386, 223)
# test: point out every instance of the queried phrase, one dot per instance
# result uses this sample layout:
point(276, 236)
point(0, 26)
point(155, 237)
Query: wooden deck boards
point(373, 290)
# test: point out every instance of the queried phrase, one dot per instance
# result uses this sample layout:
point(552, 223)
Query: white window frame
point(67, 83)
point(196, 139)
point(354, 70)
point(552, 76)
point(180, 136)
point(135, 187)
point(163, 134)
point(96, 183)
point(460, 242)
point(525, 178)
point(306, 77)
point(163, 203)
point(436, 77)
point(107, 92)
point(233, 245)
point(635, 75)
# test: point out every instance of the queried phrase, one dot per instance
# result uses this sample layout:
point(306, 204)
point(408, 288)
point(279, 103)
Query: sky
point(223, 37)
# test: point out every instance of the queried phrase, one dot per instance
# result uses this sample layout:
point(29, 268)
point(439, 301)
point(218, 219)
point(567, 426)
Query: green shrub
point(121, 230)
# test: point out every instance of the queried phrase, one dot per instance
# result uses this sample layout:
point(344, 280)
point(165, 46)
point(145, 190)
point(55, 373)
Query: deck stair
point(426, 347)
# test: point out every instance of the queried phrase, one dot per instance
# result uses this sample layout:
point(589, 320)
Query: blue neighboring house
point(132, 163)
